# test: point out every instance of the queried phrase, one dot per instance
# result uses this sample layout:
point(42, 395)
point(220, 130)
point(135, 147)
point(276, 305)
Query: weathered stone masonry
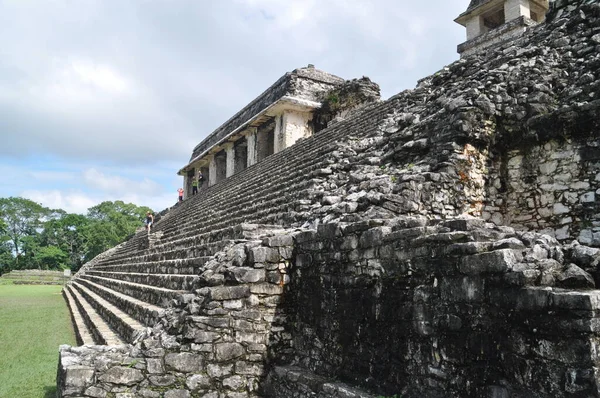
point(397, 250)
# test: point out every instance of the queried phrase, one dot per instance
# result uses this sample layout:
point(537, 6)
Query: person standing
point(194, 186)
point(180, 191)
point(149, 221)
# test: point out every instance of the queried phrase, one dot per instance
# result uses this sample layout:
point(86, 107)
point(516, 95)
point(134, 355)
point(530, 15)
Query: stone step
point(82, 333)
point(240, 201)
point(285, 381)
point(172, 251)
point(100, 330)
point(149, 294)
point(144, 312)
point(120, 321)
point(170, 281)
point(185, 266)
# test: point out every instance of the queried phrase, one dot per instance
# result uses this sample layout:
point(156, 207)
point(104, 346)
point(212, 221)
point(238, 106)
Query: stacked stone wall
point(550, 188)
point(457, 309)
point(214, 342)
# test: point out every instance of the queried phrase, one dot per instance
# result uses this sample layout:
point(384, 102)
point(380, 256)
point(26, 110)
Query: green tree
point(110, 224)
point(21, 218)
point(68, 233)
point(52, 257)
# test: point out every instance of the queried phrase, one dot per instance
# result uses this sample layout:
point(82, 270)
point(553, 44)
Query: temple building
point(492, 22)
point(275, 120)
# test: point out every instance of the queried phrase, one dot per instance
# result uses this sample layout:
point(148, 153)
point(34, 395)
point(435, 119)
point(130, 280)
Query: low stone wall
point(36, 277)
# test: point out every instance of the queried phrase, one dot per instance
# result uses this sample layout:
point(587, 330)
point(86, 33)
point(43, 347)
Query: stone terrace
point(350, 264)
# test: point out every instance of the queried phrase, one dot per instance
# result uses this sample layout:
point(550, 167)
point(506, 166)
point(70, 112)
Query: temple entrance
point(240, 151)
point(265, 140)
point(221, 165)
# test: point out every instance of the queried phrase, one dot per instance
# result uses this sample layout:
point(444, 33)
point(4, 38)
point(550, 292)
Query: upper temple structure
point(441, 243)
point(490, 22)
point(286, 112)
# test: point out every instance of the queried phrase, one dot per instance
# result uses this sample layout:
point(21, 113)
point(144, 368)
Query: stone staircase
point(128, 289)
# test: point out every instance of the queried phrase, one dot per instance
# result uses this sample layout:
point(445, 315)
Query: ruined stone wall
point(551, 189)
point(456, 309)
point(214, 341)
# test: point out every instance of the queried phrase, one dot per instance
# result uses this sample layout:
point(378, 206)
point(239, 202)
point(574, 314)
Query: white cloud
point(118, 185)
point(71, 202)
point(79, 202)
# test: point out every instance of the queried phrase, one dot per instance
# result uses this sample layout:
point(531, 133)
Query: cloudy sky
point(105, 99)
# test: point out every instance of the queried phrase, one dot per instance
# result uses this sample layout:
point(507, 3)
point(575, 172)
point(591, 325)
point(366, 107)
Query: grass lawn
point(34, 321)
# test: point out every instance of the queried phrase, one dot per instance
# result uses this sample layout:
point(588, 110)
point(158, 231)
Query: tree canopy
point(35, 237)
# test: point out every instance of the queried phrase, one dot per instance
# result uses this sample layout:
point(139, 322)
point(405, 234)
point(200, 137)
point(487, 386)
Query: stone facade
point(492, 22)
point(276, 120)
point(441, 243)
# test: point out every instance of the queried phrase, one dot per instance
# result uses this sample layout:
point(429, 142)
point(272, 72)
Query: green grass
point(34, 321)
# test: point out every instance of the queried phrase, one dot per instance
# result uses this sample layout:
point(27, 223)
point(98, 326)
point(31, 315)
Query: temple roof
point(477, 3)
point(303, 84)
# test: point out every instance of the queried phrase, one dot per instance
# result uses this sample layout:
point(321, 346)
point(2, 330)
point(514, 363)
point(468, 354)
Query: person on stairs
point(180, 192)
point(149, 221)
point(200, 178)
point(194, 186)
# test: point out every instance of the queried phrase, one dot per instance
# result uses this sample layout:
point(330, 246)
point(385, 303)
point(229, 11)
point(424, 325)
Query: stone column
point(290, 126)
point(186, 190)
point(252, 147)
point(212, 170)
point(474, 27)
point(513, 9)
point(230, 152)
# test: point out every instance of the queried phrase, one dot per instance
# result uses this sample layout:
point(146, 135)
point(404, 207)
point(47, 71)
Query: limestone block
point(122, 376)
point(254, 338)
point(213, 322)
point(331, 200)
point(548, 167)
point(177, 394)
point(466, 289)
point(149, 393)
point(229, 292)
point(162, 380)
point(264, 255)
point(197, 382)
point(562, 233)
point(77, 378)
point(218, 371)
point(588, 197)
point(248, 275)
point(584, 256)
point(576, 300)
point(95, 392)
point(250, 368)
point(560, 208)
point(155, 365)
point(266, 288)
point(228, 351)
point(580, 185)
point(184, 362)
point(498, 261)
point(575, 277)
point(233, 304)
point(235, 382)
point(586, 237)
point(278, 241)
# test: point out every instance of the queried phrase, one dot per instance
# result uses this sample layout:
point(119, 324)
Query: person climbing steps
point(149, 221)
